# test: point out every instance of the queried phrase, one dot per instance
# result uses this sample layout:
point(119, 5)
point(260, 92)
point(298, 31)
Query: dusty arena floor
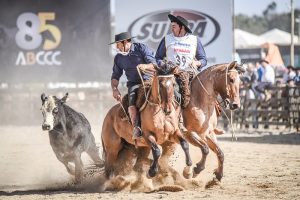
point(256, 167)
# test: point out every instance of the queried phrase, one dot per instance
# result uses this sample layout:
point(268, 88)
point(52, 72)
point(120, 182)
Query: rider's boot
point(135, 121)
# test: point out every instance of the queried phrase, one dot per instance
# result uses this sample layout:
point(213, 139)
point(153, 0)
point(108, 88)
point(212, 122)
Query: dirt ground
point(257, 166)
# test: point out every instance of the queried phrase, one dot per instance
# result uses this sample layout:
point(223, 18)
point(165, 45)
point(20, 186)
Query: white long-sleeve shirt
point(269, 74)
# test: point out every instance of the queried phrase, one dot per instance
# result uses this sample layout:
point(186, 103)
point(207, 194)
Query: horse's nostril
point(234, 106)
point(45, 127)
point(167, 111)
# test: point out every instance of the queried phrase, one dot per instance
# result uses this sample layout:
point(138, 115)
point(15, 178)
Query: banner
point(54, 40)
point(148, 21)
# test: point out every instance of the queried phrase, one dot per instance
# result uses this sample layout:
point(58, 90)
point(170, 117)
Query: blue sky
point(251, 7)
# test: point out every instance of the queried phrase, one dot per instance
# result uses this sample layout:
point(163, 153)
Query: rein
point(148, 93)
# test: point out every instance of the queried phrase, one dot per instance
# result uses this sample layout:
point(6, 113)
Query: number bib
point(181, 50)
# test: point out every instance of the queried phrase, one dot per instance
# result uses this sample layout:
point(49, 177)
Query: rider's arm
point(160, 52)
point(149, 59)
point(114, 84)
point(116, 74)
point(200, 54)
point(114, 87)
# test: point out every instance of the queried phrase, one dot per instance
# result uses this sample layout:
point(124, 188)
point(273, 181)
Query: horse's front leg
point(187, 171)
point(197, 141)
point(213, 145)
point(155, 153)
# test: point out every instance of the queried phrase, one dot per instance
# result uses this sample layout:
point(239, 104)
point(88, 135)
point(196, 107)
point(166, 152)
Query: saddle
point(140, 101)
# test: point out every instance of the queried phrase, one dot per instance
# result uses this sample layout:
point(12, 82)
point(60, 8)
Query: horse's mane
point(208, 71)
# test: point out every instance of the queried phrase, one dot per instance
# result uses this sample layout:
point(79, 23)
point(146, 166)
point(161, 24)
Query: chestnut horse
point(200, 115)
point(159, 124)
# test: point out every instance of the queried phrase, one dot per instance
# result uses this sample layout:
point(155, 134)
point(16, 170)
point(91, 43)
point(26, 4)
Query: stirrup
point(137, 133)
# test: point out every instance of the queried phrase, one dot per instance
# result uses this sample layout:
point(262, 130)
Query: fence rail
point(281, 111)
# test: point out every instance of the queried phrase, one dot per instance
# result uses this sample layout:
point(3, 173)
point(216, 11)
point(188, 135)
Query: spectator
point(290, 74)
point(267, 80)
point(260, 71)
point(296, 78)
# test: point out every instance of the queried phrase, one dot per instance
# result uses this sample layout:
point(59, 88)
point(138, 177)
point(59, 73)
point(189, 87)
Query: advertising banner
point(211, 20)
point(54, 40)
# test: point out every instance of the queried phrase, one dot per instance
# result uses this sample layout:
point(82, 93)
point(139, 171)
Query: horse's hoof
point(187, 172)
point(151, 173)
point(218, 175)
point(197, 170)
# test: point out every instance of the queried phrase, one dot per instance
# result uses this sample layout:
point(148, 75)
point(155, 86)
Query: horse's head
point(228, 85)
point(166, 83)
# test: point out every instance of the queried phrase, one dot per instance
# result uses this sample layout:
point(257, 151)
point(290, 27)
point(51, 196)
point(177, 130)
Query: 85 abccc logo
point(29, 37)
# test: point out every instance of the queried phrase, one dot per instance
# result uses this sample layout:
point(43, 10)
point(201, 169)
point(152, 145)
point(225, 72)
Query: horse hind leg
point(142, 158)
point(215, 148)
point(197, 141)
point(112, 144)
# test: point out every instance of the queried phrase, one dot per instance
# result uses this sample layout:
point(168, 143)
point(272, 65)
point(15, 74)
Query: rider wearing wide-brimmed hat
point(184, 49)
point(130, 56)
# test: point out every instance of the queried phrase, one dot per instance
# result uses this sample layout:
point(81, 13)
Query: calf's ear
point(65, 98)
point(43, 97)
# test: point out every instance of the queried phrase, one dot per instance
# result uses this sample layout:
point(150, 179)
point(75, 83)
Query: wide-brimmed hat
point(121, 37)
point(180, 20)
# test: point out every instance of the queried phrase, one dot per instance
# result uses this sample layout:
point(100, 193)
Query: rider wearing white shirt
point(184, 49)
point(268, 79)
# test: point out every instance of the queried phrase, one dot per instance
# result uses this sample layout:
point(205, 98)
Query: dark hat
point(263, 61)
point(121, 37)
point(181, 21)
point(290, 67)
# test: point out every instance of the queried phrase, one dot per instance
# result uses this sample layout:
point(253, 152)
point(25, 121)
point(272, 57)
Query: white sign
point(211, 20)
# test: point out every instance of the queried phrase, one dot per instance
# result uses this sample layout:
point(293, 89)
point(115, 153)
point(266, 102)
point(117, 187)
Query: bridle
point(229, 92)
point(224, 101)
point(147, 94)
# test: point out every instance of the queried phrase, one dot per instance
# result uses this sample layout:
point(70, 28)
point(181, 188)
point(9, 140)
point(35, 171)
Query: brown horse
point(200, 115)
point(159, 123)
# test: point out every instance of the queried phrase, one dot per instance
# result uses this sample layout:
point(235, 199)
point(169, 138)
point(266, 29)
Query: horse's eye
point(231, 80)
point(55, 110)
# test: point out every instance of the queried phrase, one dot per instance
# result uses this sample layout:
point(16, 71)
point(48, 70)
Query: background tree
point(268, 20)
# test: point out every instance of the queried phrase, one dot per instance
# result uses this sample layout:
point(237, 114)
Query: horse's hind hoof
point(197, 170)
point(218, 175)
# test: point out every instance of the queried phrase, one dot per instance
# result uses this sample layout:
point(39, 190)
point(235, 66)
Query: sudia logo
point(29, 37)
point(152, 27)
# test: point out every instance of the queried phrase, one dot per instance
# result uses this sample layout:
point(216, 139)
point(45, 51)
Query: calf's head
point(52, 111)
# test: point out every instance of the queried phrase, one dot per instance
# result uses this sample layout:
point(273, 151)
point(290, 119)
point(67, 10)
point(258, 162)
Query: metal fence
point(280, 112)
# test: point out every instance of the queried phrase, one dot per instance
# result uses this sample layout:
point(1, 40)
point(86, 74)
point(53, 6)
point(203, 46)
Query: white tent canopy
point(277, 36)
point(245, 39)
